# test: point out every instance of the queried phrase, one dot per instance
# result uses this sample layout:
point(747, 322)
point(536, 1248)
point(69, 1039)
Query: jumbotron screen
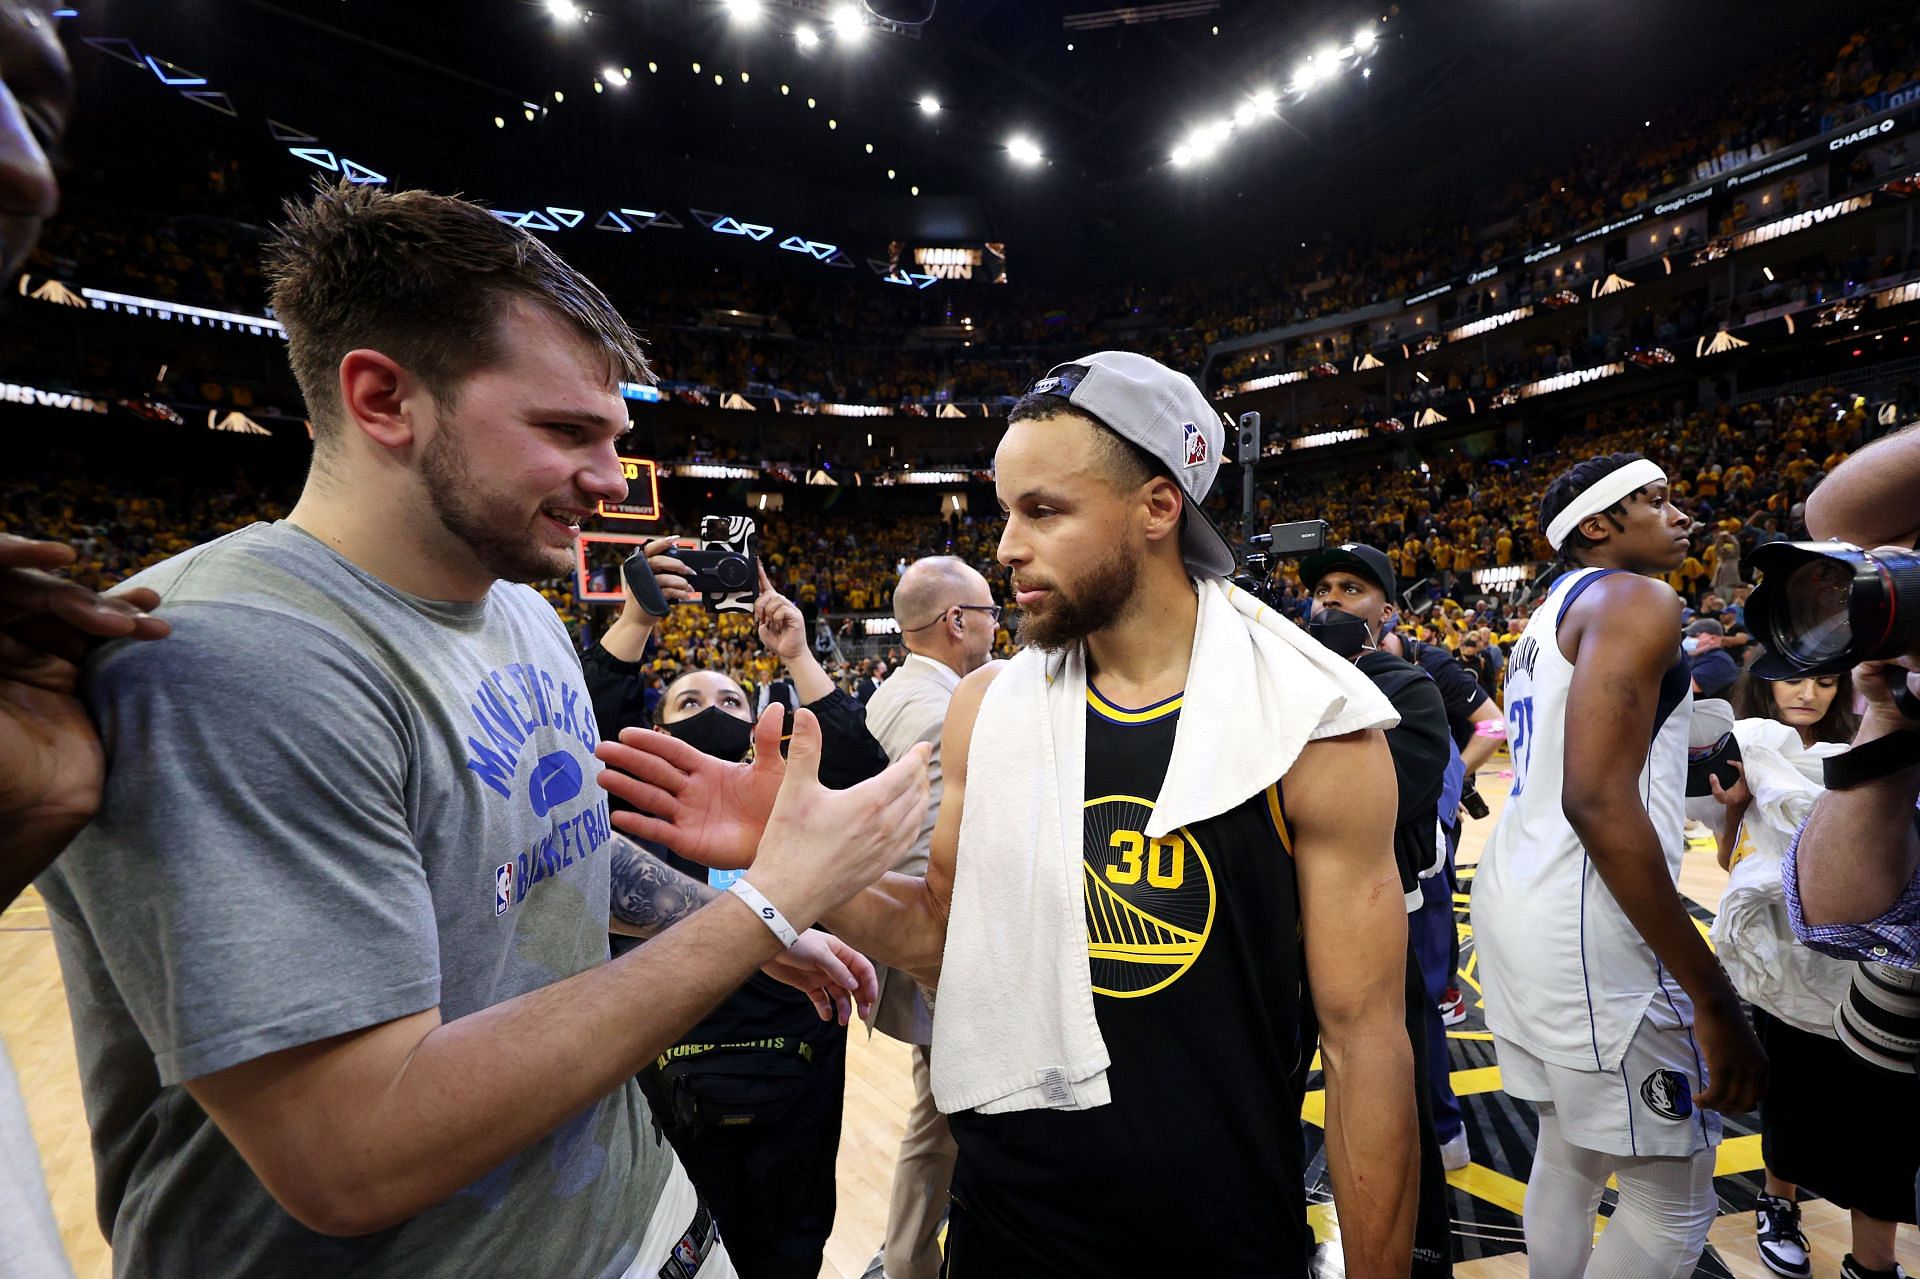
point(983, 263)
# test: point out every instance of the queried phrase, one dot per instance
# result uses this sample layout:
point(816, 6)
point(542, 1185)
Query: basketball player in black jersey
point(1197, 1161)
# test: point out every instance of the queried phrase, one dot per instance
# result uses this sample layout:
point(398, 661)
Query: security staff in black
point(1193, 941)
point(1353, 606)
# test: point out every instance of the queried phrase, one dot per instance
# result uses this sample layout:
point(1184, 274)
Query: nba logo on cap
point(1196, 445)
point(502, 888)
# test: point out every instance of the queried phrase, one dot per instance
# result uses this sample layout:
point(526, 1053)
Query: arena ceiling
point(1451, 95)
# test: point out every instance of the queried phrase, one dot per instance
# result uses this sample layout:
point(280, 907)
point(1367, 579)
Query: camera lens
point(733, 572)
point(1817, 593)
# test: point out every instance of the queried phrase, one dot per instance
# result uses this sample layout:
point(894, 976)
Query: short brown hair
point(423, 278)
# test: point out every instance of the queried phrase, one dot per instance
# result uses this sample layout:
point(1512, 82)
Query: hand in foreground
point(823, 846)
point(702, 808)
point(51, 766)
point(1736, 1064)
point(831, 973)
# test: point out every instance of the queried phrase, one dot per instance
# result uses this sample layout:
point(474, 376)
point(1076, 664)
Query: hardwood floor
point(35, 1028)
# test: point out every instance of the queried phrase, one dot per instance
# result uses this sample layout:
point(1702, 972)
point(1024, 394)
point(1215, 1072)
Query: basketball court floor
point(1486, 1195)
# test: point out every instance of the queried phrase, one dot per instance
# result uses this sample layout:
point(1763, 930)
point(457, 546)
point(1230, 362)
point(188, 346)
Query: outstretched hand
point(704, 809)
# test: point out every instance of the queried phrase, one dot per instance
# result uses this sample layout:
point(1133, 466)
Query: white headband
point(1601, 494)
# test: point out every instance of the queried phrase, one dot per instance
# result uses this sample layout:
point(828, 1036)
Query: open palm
point(704, 809)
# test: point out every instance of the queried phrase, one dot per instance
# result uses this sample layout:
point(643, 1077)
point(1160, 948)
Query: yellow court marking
point(1492, 1187)
point(1324, 1222)
point(1737, 1155)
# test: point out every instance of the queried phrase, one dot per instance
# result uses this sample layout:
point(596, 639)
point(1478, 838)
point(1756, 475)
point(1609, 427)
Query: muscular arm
point(1621, 636)
point(360, 1132)
point(1868, 500)
point(1860, 848)
point(1340, 806)
point(650, 896)
point(901, 920)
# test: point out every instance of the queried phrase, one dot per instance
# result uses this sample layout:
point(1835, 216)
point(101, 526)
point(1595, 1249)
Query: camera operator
point(751, 1096)
point(1853, 875)
point(1353, 610)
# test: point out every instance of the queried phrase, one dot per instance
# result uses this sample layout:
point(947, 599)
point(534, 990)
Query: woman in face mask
point(751, 1096)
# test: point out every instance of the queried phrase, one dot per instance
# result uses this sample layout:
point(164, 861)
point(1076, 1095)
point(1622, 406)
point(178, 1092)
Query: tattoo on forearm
point(649, 895)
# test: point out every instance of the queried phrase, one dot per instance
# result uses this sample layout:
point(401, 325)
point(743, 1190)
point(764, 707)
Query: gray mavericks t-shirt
point(330, 804)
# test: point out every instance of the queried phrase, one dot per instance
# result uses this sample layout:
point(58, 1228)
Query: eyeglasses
point(992, 611)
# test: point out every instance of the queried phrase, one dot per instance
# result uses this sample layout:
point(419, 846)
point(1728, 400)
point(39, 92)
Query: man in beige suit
point(947, 618)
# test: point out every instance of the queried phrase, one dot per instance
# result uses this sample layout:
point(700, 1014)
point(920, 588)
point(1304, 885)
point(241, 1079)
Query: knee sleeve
point(1660, 1226)
point(1563, 1195)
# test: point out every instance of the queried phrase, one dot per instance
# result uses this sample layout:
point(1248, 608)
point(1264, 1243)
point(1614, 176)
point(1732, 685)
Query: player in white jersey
point(1607, 1008)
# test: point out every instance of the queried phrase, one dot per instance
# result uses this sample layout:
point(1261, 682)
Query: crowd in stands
point(842, 336)
point(1742, 471)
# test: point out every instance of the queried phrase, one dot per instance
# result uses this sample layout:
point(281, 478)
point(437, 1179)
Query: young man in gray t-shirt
point(335, 945)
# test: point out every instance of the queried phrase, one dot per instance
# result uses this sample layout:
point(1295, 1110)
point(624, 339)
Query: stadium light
point(929, 105)
point(1182, 156)
point(612, 76)
point(848, 22)
point(499, 122)
point(1024, 150)
point(1266, 102)
point(806, 37)
point(1245, 114)
point(563, 10)
point(744, 12)
point(1363, 39)
point(1305, 76)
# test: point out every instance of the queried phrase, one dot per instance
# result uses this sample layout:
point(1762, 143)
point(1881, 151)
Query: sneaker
point(1776, 1228)
point(1851, 1269)
point(1453, 1152)
point(1453, 1007)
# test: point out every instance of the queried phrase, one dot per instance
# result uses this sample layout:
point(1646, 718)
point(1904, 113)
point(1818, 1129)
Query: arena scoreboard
point(984, 262)
point(643, 493)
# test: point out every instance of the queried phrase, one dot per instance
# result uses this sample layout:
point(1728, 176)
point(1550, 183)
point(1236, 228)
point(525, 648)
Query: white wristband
point(769, 913)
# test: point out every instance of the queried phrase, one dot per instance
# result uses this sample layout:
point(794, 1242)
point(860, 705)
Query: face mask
point(1343, 633)
point(1690, 643)
point(714, 732)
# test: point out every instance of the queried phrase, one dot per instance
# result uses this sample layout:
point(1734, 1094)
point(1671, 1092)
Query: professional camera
point(1280, 541)
point(1879, 1020)
point(1822, 608)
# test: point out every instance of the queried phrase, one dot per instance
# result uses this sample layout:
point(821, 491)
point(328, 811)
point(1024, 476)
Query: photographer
point(751, 1096)
point(1353, 610)
point(1828, 1119)
point(1853, 875)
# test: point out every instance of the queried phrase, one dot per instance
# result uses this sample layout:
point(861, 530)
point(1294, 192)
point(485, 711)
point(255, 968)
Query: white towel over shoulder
point(1016, 1028)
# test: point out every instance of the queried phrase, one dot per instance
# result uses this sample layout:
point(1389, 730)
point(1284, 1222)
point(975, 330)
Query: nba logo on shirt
point(502, 888)
point(1196, 445)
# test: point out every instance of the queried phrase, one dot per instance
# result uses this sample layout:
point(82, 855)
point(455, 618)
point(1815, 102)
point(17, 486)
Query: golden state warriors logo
point(1149, 901)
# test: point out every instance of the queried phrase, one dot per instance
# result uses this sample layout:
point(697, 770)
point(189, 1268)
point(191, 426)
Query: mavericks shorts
point(1645, 1107)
